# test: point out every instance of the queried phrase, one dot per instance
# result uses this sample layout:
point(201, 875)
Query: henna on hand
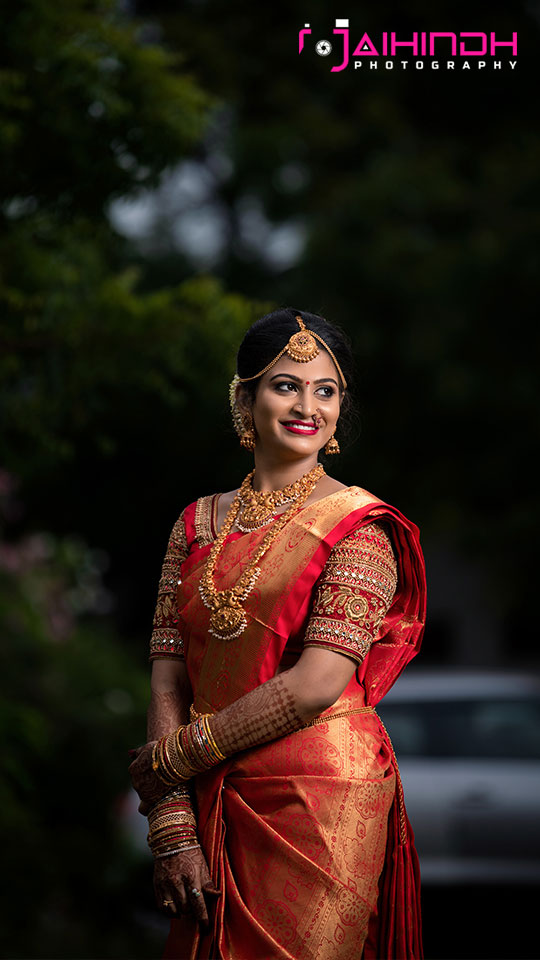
point(176, 877)
point(168, 708)
point(144, 779)
point(266, 713)
point(272, 710)
point(165, 713)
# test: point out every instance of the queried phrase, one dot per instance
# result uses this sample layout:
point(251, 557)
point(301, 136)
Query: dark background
point(169, 172)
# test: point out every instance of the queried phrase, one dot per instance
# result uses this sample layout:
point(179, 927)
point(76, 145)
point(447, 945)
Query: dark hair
point(268, 335)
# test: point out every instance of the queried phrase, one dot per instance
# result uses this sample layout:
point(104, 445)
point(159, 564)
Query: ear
point(243, 400)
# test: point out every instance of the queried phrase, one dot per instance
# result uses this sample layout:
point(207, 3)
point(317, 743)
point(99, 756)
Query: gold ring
point(168, 903)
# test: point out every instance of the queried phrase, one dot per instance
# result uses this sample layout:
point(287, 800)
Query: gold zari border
point(336, 716)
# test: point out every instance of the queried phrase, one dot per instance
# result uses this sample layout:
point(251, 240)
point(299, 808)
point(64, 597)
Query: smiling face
point(297, 407)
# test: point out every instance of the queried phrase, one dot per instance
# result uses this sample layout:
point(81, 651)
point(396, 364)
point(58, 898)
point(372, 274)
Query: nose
point(305, 403)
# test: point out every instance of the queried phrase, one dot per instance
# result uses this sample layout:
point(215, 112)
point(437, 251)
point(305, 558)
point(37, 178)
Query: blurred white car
point(468, 748)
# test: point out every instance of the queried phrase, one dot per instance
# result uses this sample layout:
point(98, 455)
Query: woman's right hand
point(181, 884)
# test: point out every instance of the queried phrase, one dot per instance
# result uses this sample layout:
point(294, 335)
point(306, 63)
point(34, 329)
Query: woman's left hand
point(144, 779)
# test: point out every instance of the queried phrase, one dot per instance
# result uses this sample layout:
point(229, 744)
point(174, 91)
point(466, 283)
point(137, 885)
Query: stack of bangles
point(186, 752)
point(172, 825)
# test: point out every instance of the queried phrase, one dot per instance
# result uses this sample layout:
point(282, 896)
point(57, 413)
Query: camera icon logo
point(323, 48)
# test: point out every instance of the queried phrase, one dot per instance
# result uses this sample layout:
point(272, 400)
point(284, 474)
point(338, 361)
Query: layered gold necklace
point(228, 619)
point(259, 506)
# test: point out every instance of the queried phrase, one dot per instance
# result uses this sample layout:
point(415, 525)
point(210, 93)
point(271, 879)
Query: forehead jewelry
point(301, 347)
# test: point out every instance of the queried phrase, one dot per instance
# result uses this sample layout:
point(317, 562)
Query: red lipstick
point(300, 427)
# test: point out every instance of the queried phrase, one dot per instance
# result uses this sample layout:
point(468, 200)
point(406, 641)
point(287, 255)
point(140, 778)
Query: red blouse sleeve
point(354, 592)
point(166, 641)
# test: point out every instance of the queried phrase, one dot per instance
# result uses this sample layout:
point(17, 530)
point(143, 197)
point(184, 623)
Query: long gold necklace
point(228, 619)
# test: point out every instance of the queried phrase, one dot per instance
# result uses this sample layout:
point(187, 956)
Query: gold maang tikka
point(302, 348)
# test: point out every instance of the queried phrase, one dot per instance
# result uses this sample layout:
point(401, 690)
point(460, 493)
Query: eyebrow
point(291, 376)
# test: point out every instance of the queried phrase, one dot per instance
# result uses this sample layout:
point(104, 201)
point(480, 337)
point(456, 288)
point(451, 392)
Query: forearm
point(283, 704)
point(272, 710)
point(171, 821)
point(170, 698)
point(276, 708)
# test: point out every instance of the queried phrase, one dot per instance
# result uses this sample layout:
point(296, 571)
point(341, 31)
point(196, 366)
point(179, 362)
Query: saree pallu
point(306, 837)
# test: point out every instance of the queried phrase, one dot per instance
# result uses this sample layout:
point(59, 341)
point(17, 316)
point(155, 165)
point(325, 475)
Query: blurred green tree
point(89, 110)
point(104, 386)
point(72, 702)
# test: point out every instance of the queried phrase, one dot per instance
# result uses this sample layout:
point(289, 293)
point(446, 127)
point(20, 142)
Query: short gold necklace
point(259, 506)
point(228, 619)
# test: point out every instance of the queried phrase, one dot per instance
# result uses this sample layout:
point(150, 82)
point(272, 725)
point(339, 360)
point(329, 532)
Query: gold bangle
point(181, 763)
point(173, 819)
point(206, 723)
point(161, 767)
point(190, 748)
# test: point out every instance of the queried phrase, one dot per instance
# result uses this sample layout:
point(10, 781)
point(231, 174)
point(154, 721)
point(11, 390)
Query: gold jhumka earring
point(242, 422)
point(332, 446)
point(247, 436)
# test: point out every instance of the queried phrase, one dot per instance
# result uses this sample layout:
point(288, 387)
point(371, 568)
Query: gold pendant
point(255, 515)
point(228, 620)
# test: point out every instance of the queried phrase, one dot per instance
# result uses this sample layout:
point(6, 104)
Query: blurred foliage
point(88, 107)
point(88, 112)
point(72, 705)
point(105, 385)
point(102, 395)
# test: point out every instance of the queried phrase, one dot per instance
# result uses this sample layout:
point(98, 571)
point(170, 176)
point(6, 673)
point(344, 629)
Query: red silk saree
point(306, 836)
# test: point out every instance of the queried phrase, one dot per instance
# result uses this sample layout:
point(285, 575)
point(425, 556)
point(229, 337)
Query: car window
point(470, 728)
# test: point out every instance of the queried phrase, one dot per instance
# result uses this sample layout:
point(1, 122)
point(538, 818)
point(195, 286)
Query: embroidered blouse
point(353, 592)
point(166, 640)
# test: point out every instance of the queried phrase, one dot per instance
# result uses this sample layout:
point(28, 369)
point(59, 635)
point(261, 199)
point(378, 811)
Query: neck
point(274, 474)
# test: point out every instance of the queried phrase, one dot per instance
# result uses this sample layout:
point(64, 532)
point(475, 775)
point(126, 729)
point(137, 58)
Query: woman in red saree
point(286, 610)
